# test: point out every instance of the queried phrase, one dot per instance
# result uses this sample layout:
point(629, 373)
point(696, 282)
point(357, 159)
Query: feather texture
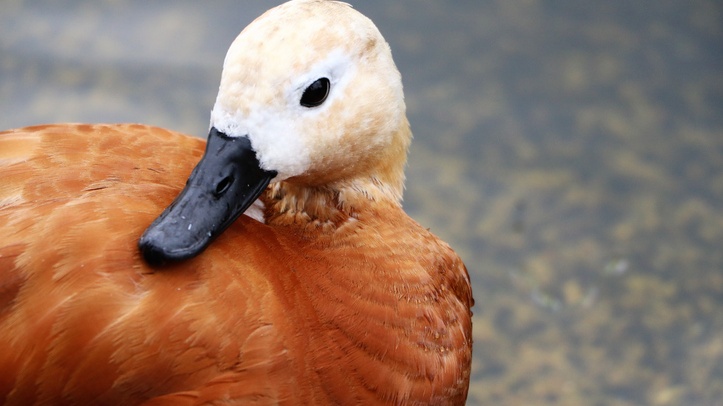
point(373, 310)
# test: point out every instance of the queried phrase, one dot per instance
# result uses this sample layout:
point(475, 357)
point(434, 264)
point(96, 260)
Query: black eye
point(316, 93)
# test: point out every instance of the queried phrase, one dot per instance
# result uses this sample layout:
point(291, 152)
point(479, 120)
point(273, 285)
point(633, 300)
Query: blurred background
point(570, 151)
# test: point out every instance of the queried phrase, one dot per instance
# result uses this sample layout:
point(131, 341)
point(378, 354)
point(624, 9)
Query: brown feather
point(373, 310)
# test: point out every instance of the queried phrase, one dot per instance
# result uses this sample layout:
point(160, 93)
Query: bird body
point(329, 294)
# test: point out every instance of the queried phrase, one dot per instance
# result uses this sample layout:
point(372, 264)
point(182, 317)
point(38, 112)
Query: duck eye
point(316, 93)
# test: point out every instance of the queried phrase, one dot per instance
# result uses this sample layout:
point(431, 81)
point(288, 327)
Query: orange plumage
point(297, 310)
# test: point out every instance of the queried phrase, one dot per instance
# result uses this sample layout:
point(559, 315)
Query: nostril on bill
point(223, 186)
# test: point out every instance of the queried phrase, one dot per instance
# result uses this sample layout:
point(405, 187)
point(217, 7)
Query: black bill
point(223, 185)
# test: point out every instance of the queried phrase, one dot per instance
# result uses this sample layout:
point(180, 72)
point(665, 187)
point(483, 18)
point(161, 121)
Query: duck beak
point(226, 181)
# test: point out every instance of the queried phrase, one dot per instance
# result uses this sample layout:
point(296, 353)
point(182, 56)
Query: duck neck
point(326, 208)
point(299, 201)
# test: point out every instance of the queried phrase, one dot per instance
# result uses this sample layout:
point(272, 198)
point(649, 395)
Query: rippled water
point(571, 151)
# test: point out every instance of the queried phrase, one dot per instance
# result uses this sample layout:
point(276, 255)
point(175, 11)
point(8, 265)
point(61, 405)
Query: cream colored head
point(358, 134)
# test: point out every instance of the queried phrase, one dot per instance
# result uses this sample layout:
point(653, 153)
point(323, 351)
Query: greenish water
point(570, 151)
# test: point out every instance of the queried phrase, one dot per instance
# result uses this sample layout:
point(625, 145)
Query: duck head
point(309, 96)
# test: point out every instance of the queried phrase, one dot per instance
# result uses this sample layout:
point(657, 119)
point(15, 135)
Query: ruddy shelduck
point(325, 292)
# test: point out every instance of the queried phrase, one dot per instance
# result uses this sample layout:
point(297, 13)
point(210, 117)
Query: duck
point(272, 263)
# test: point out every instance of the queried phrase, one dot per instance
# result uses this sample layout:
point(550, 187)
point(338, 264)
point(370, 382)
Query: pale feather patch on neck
point(256, 211)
